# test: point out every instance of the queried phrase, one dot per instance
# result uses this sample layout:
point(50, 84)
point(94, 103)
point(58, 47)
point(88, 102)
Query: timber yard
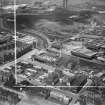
point(52, 53)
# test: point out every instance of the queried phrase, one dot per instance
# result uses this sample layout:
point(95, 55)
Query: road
point(39, 100)
point(22, 58)
point(40, 35)
point(32, 81)
point(34, 33)
point(13, 91)
point(36, 101)
point(26, 58)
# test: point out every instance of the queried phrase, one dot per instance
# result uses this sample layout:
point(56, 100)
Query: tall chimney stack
point(65, 2)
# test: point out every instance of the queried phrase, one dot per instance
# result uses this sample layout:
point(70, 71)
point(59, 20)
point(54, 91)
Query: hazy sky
point(70, 2)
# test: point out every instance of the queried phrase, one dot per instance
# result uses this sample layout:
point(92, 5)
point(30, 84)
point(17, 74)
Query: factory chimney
point(65, 3)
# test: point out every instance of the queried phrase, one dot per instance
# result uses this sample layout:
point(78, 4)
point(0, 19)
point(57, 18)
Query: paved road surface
point(36, 101)
point(24, 57)
point(11, 90)
point(40, 36)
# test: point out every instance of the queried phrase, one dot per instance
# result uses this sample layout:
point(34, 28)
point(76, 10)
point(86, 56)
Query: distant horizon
point(70, 2)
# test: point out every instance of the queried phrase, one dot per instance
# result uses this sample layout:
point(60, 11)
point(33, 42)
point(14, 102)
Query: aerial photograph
point(52, 52)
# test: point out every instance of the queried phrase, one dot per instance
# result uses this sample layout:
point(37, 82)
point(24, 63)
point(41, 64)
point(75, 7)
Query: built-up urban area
point(52, 54)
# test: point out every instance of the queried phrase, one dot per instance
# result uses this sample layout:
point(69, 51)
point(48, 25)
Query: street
point(36, 101)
